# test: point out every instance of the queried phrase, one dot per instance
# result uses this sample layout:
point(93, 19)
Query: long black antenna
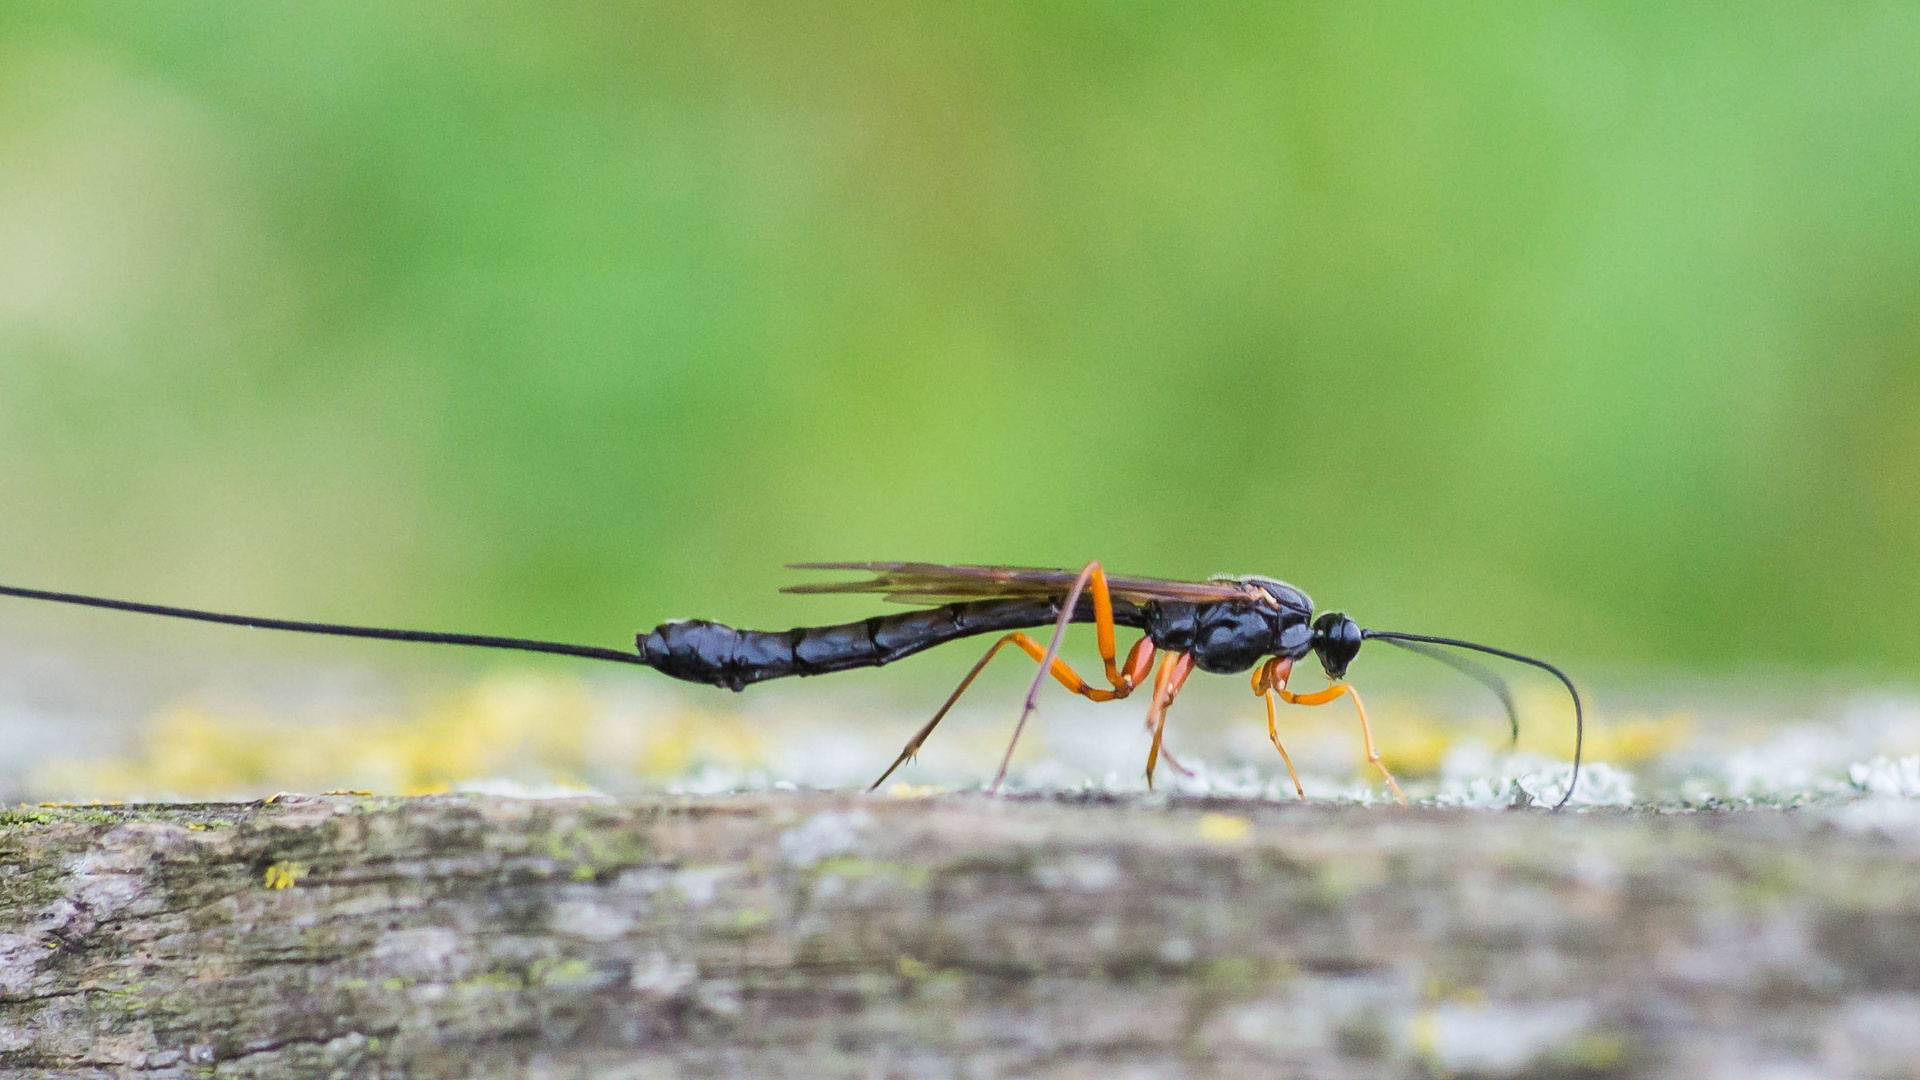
point(1479, 673)
point(1579, 713)
point(428, 637)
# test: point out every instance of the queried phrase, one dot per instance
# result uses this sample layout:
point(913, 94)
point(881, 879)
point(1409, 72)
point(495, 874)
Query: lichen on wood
point(792, 934)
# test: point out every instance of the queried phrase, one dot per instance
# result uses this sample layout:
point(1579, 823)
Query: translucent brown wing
point(934, 583)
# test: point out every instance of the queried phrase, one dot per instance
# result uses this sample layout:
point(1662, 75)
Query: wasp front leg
point(1334, 693)
point(1268, 679)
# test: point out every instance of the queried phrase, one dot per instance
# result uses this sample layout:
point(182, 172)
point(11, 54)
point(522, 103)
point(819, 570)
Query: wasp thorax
point(1336, 640)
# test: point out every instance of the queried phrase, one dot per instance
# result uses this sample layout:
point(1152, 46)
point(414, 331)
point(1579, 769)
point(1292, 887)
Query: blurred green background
point(1592, 329)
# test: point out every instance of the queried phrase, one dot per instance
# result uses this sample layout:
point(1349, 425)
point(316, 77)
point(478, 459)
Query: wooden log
point(796, 934)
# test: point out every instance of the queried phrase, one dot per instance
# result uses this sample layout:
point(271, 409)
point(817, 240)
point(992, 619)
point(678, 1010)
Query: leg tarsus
point(1123, 678)
point(1373, 752)
point(1167, 755)
point(1173, 763)
point(1268, 679)
point(1166, 686)
point(1273, 732)
point(1093, 578)
point(913, 744)
point(1046, 664)
point(1334, 693)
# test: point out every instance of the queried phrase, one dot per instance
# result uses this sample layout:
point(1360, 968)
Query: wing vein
point(939, 583)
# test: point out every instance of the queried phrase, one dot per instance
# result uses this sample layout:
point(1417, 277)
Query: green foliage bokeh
point(1592, 328)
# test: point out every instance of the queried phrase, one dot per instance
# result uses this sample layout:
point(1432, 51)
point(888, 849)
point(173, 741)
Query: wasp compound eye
point(1336, 640)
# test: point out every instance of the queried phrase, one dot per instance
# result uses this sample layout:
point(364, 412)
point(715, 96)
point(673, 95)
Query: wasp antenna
point(1479, 673)
point(1412, 641)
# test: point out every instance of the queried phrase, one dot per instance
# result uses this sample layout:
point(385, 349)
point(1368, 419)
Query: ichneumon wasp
point(1224, 625)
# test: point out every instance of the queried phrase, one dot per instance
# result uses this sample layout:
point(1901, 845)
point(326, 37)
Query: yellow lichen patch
point(900, 789)
point(678, 740)
point(1224, 828)
point(1412, 740)
point(1426, 1034)
point(1546, 721)
point(1413, 743)
point(1416, 754)
point(1638, 739)
point(283, 875)
point(1600, 1052)
point(527, 728)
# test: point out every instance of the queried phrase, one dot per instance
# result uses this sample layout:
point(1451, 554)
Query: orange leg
point(1103, 628)
point(1093, 578)
point(1333, 693)
point(1166, 685)
point(1166, 755)
point(1122, 677)
point(1268, 678)
point(1139, 659)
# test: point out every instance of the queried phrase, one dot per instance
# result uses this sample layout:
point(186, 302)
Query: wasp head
point(1336, 640)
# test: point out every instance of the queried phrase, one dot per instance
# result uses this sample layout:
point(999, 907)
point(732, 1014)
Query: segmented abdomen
point(709, 652)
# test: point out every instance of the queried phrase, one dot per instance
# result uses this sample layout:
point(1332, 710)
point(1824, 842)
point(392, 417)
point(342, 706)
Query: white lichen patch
point(584, 918)
point(662, 976)
point(1881, 776)
point(1893, 817)
point(421, 952)
point(1079, 873)
point(1876, 1035)
point(1797, 759)
point(1472, 776)
point(823, 835)
point(1493, 1039)
point(1364, 1017)
point(698, 885)
point(1891, 803)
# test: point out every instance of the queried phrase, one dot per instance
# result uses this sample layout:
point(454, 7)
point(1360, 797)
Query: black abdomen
point(709, 652)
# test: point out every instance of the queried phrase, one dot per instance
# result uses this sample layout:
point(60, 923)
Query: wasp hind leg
point(1166, 686)
point(1334, 693)
point(1122, 677)
point(1138, 659)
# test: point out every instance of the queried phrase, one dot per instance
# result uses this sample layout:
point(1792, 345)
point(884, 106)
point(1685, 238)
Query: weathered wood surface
point(826, 935)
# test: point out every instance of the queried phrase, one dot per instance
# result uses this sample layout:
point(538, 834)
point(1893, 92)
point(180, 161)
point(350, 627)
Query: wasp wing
point(936, 583)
